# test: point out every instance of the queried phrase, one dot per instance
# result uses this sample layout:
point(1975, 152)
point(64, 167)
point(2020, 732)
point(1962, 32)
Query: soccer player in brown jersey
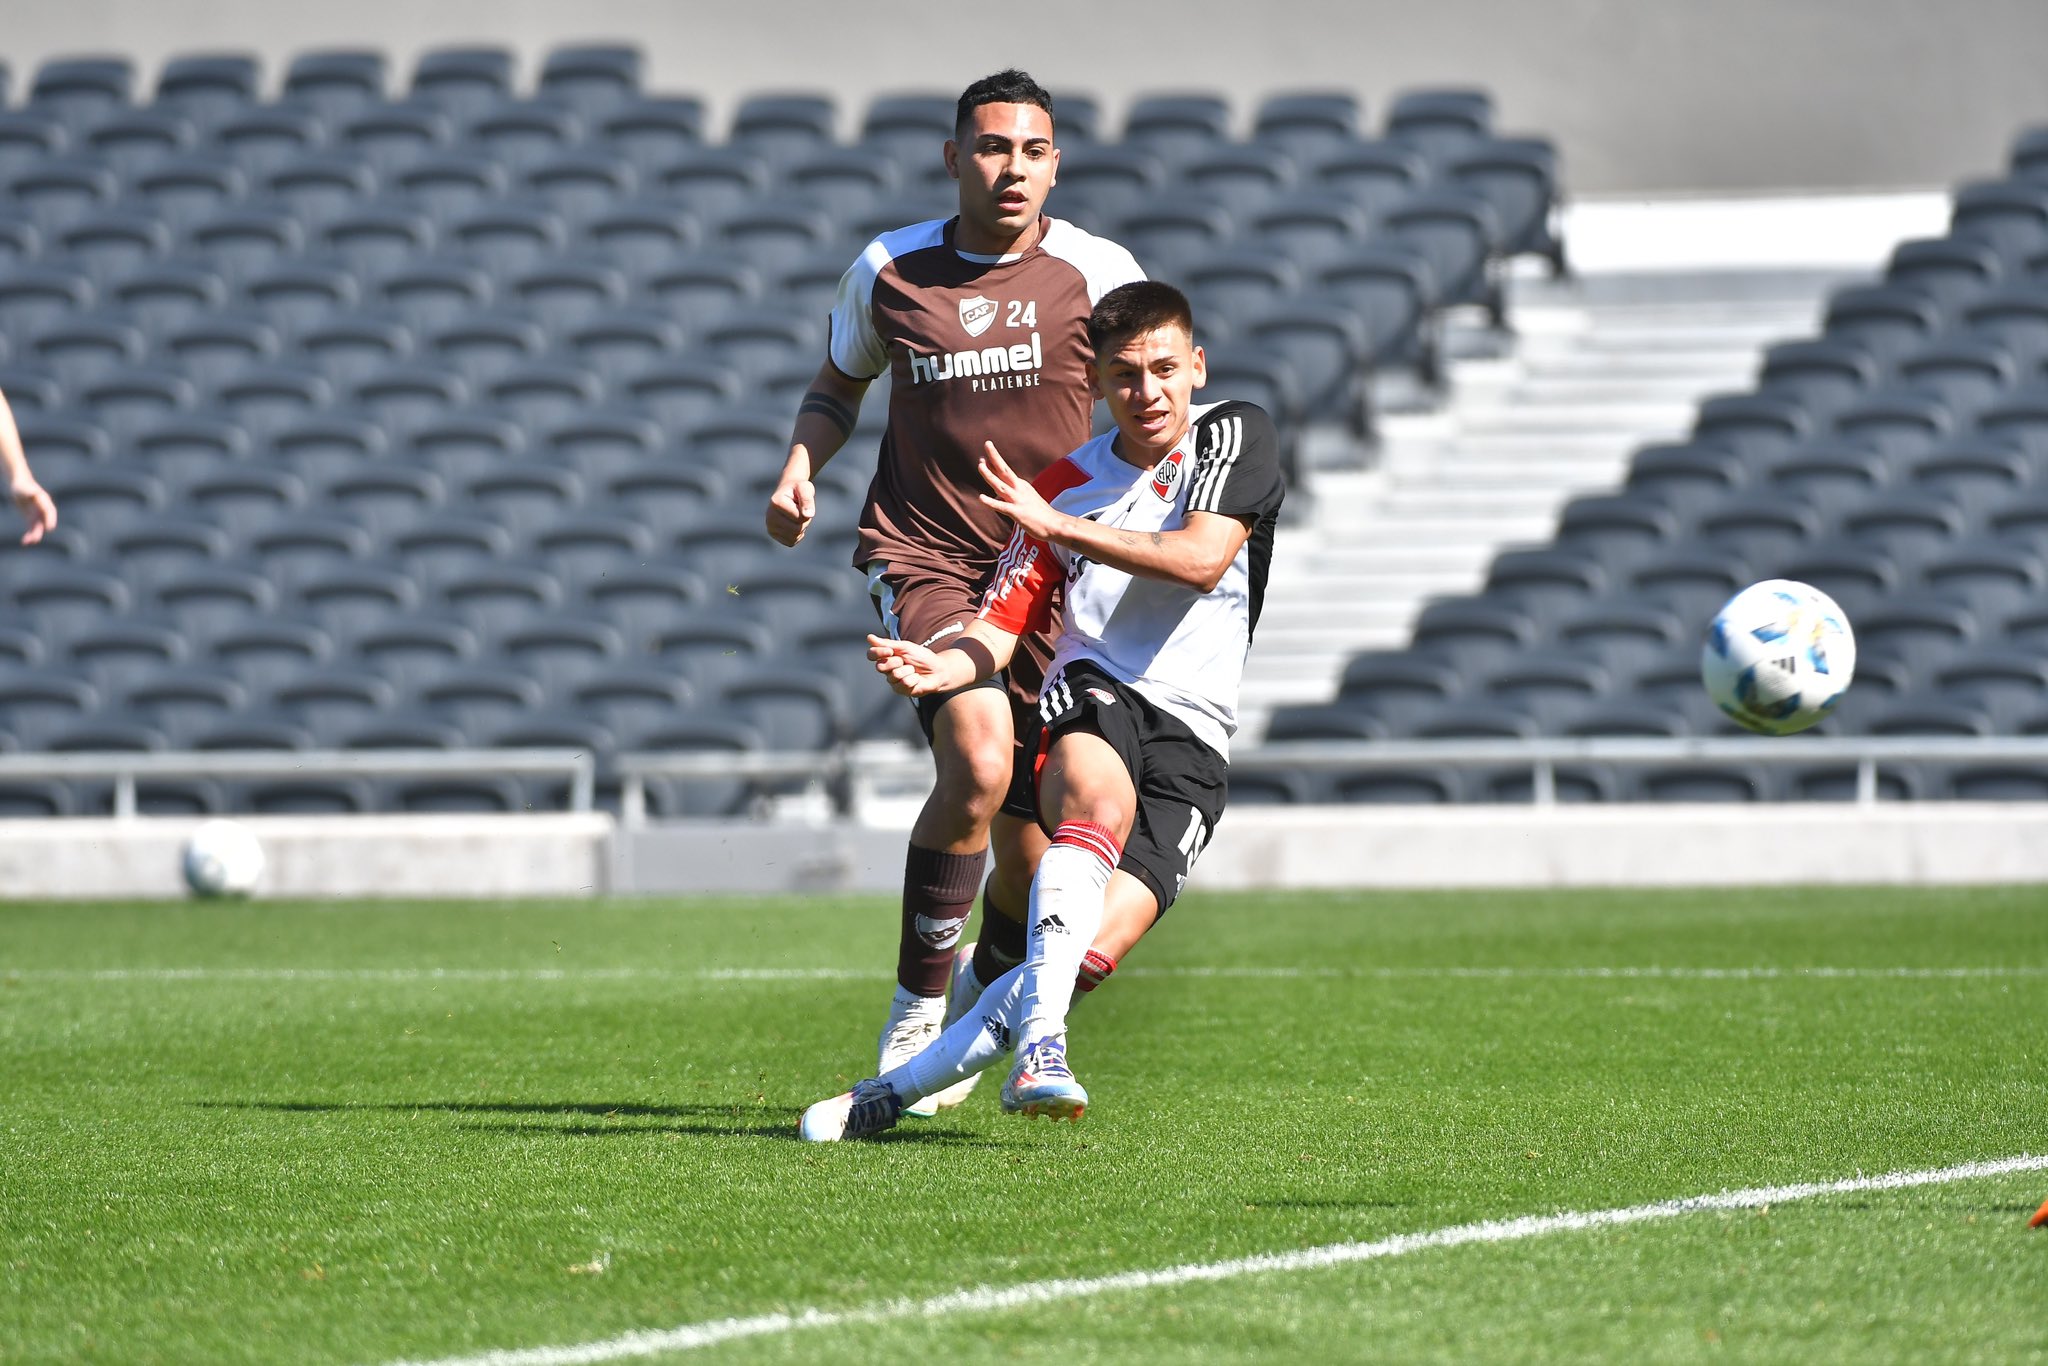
point(981, 322)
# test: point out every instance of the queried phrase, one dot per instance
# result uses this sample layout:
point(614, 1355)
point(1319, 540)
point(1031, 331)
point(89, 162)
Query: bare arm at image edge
point(36, 506)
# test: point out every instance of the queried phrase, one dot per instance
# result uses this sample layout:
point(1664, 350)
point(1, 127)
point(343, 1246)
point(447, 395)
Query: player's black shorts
point(1181, 782)
point(928, 607)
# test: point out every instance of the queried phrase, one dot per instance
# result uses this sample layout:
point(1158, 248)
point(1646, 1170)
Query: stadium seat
point(625, 343)
point(1324, 721)
point(1619, 529)
point(801, 708)
point(655, 134)
point(403, 729)
point(38, 297)
point(523, 497)
point(208, 87)
point(327, 444)
point(508, 238)
point(2009, 216)
point(449, 185)
point(1104, 180)
point(412, 652)
point(1441, 124)
point(1966, 374)
point(264, 654)
point(2021, 418)
point(183, 703)
point(1854, 574)
point(82, 90)
point(1168, 232)
point(28, 139)
point(1909, 527)
point(705, 730)
point(482, 699)
point(1545, 581)
point(347, 599)
point(1691, 579)
point(443, 546)
point(781, 128)
point(113, 655)
point(462, 444)
point(566, 292)
point(159, 297)
point(563, 652)
point(133, 140)
point(1975, 473)
point(294, 295)
point(1760, 528)
point(603, 443)
point(336, 83)
point(349, 349)
point(385, 498)
point(1473, 632)
point(1699, 783)
point(1953, 273)
point(1177, 127)
point(407, 396)
point(1898, 422)
point(703, 288)
point(579, 184)
point(1920, 630)
point(1309, 227)
point(190, 189)
point(63, 444)
point(1457, 232)
point(1421, 786)
point(162, 545)
point(1307, 123)
point(1239, 178)
point(642, 600)
point(1323, 342)
point(581, 545)
point(207, 599)
point(261, 139)
point(499, 598)
point(109, 244)
point(2009, 683)
point(58, 191)
point(1827, 473)
point(543, 393)
point(1994, 579)
point(593, 78)
point(1517, 177)
point(773, 234)
point(1822, 376)
point(910, 128)
point(1548, 687)
point(319, 186)
point(214, 350)
point(265, 399)
point(1236, 283)
point(1886, 321)
point(40, 706)
point(464, 81)
point(106, 501)
point(1754, 426)
point(482, 346)
point(842, 186)
point(1624, 635)
point(85, 349)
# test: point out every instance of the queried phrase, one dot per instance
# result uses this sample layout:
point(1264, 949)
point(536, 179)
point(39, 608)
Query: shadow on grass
point(699, 1120)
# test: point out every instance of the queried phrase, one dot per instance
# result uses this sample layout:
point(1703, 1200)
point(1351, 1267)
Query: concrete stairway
point(1598, 367)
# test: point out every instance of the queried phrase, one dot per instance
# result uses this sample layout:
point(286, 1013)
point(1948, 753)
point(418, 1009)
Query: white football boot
point(913, 1023)
point(868, 1109)
point(962, 992)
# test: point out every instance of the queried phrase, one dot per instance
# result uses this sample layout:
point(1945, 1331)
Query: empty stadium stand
point(1895, 460)
point(418, 408)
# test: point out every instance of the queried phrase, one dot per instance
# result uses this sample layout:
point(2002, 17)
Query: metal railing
point(125, 769)
point(847, 769)
point(850, 772)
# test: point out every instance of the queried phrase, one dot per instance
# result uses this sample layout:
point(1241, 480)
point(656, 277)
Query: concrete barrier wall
point(318, 856)
point(1479, 846)
point(1643, 95)
point(1256, 848)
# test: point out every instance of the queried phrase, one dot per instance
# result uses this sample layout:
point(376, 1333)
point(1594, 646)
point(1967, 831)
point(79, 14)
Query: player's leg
point(1016, 846)
point(948, 853)
point(971, 737)
point(1089, 799)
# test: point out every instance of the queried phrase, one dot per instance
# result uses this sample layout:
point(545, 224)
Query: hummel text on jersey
point(1015, 366)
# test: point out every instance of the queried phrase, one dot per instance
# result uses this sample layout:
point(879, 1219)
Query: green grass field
point(370, 1133)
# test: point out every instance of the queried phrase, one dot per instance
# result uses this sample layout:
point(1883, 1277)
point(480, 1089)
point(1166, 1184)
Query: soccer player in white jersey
point(980, 320)
point(1160, 534)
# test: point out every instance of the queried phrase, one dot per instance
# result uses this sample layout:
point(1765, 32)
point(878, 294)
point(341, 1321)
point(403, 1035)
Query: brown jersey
point(978, 349)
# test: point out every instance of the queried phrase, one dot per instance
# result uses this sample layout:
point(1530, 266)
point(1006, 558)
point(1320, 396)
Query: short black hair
point(1008, 86)
point(1134, 309)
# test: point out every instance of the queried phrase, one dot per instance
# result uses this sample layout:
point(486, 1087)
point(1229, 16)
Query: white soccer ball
point(1778, 656)
point(222, 859)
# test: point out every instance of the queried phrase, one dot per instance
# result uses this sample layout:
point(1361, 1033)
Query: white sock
point(1066, 911)
point(975, 1040)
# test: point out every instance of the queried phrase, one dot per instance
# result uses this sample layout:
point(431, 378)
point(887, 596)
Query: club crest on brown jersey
point(977, 314)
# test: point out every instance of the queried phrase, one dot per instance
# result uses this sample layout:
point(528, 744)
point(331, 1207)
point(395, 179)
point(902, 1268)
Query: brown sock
point(938, 892)
point(1001, 946)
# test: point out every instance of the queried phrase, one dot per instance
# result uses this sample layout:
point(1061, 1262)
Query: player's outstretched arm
point(917, 671)
point(33, 501)
point(1195, 556)
point(823, 422)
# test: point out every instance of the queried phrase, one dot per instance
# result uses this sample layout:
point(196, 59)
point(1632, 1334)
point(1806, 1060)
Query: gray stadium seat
point(413, 651)
point(1623, 634)
point(1993, 578)
point(1887, 321)
point(595, 78)
point(243, 243)
point(163, 296)
point(705, 730)
point(2020, 417)
point(579, 184)
point(1473, 632)
point(385, 498)
point(1177, 127)
point(1324, 343)
point(701, 289)
point(1855, 575)
point(655, 134)
point(348, 599)
point(268, 398)
point(1899, 422)
point(581, 545)
point(208, 87)
point(482, 699)
point(1547, 581)
point(1754, 426)
point(1457, 232)
point(503, 597)
point(464, 81)
point(1307, 122)
point(1976, 473)
point(407, 396)
point(264, 654)
point(1518, 178)
point(112, 655)
point(1909, 527)
point(336, 83)
point(82, 90)
point(296, 295)
point(563, 652)
point(1441, 123)
point(350, 348)
point(523, 497)
point(183, 703)
point(211, 351)
point(644, 599)
point(566, 292)
point(319, 186)
point(37, 297)
point(444, 546)
point(843, 186)
point(250, 499)
point(1920, 630)
point(261, 139)
point(1392, 288)
point(625, 343)
point(1548, 687)
point(85, 349)
point(1104, 180)
point(909, 128)
point(1822, 376)
point(149, 550)
point(41, 705)
point(1952, 273)
point(1168, 232)
point(57, 191)
point(783, 127)
point(773, 234)
point(543, 393)
point(132, 140)
point(508, 238)
point(449, 185)
point(27, 139)
point(1827, 473)
point(2010, 216)
point(644, 236)
point(1965, 374)
point(1761, 528)
point(207, 599)
point(189, 188)
point(1618, 529)
point(485, 345)
point(524, 134)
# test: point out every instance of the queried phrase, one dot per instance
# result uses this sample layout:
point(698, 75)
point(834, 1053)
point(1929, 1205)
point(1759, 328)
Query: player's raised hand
point(790, 510)
point(1013, 496)
point(911, 669)
point(36, 506)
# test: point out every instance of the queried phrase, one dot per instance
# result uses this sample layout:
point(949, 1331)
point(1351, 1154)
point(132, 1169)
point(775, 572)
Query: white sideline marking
point(982, 1299)
point(1652, 973)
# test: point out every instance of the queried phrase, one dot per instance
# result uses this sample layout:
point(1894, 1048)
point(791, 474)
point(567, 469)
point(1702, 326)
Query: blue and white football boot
point(1042, 1084)
point(870, 1108)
